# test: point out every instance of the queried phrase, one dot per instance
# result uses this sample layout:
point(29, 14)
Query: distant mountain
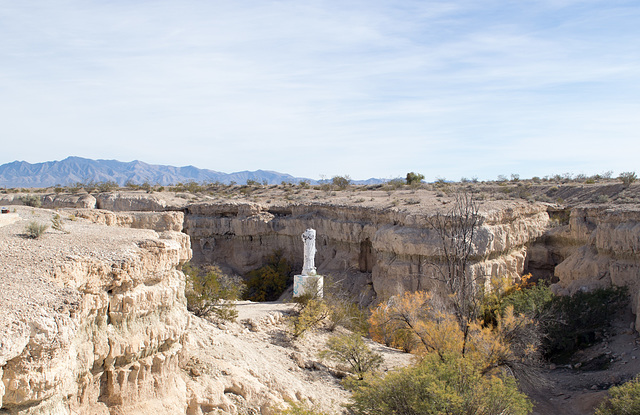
point(81, 170)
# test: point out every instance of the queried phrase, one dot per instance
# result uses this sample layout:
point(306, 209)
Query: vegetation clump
point(623, 400)
point(351, 350)
point(34, 230)
point(268, 282)
point(31, 200)
point(414, 178)
point(447, 385)
point(210, 292)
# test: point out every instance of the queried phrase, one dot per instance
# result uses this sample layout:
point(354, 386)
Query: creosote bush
point(314, 312)
point(351, 350)
point(210, 292)
point(34, 229)
point(623, 400)
point(627, 178)
point(451, 385)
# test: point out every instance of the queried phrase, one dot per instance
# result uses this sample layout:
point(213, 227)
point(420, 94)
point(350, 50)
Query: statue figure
point(309, 239)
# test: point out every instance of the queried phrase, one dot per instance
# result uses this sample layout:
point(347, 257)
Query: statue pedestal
point(306, 284)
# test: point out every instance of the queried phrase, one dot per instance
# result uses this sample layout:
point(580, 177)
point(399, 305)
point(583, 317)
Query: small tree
point(350, 349)
point(456, 230)
point(414, 178)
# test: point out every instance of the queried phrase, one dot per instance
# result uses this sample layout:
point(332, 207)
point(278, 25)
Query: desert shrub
point(414, 178)
point(566, 323)
point(310, 317)
point(304, 184)
point(351, 350)
point(268, 282)
point(623, 400)
point(107, 186)
point(210, 292)
point(341, 182)
point(573, 321)
point(31, 200)
point(56, 223)
point(34, 229)
point(627, 178)
point(453, 385)
point(394, 184)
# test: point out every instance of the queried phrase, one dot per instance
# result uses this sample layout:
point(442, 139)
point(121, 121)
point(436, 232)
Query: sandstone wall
point(52, 201)
point(90, 328)
point(158, 221)
point(388, 250)
point(603, 245)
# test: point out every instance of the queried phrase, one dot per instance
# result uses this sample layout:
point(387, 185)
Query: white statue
point(309, 239)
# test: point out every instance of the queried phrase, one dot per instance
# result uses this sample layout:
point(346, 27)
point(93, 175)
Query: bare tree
point(456, 230)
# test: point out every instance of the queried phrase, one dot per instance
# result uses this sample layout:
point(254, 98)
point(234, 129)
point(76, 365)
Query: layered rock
point(92, 320)
point(390, 250)
point(158, 221)
point(603, 249)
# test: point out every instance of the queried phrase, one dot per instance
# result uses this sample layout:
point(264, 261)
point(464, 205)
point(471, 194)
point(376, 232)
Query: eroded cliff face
point(92, 320)
point(601, 248)
point(389, 251)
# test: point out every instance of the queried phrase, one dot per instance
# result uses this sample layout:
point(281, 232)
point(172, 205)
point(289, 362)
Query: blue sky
point(372, 88)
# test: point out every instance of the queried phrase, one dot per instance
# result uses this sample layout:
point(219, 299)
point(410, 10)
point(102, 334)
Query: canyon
point(94, 318)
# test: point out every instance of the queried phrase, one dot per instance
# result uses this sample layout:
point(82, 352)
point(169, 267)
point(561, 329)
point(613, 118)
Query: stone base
point(302, 283)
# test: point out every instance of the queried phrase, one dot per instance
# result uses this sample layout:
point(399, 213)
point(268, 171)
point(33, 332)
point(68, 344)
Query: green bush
point(268, 282)
point(623, 400)
point(341, 182)
point(451, 385)
point(573, 321)
point(309, 317)
point(414, 178)
point(351, 350)
point(34, 229)
point(31, 200)
point(210, 292)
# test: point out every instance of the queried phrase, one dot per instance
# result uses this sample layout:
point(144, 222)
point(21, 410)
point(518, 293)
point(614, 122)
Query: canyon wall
point(389, 251)
point(601, 248)
point(92, 320)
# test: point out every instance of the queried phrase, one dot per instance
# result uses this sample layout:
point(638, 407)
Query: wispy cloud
point(368, 88)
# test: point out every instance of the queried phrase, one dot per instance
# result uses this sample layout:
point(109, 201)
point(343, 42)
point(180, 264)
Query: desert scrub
point(623, 400)
point(34, 229)
point(56, 224)
point(310, 317)
point(210, 292)
point(31, 200)
point(627, 178)
point(351, 350)
point(452, 385)
point(268, 282)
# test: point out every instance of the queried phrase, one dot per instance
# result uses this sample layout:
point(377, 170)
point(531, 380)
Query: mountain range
point(82, 170)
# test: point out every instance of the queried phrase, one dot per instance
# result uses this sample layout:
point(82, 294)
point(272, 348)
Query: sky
point(372, 88)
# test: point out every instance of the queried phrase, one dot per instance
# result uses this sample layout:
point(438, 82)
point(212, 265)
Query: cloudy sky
point(372, 88)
